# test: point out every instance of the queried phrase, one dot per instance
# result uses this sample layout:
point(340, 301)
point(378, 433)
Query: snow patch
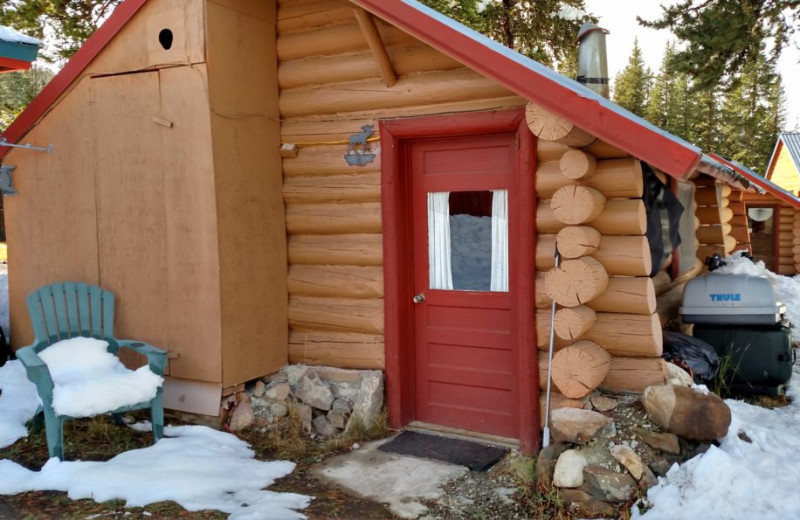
point(89, 380)
point(18, 402)
point(195, 466)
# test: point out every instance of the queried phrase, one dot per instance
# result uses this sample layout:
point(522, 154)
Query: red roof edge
point(71, 71)
point(10, 65)
point(630, 135)
point(761, 182)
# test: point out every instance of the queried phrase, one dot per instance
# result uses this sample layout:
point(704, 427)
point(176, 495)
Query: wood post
point(630, 295)
point(628, 335)
point(619, 217)
point(572, 323)
point(580, 368)
point(634, 374)
point(614, 178)
point(713, 234)
point(576, 282)
point(577, 204)
point(577, 165)
point(619, 255)
point(714, 215)
point(549, 127)
point(577, 241)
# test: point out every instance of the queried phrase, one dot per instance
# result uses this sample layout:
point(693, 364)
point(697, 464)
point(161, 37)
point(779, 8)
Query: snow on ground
point(18, 402)
point(10, 35)
point(752, 474)
point(195, 466)
point(755, 470)
point(788, 288)
point(89, 380)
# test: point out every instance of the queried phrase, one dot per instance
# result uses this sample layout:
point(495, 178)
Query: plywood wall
point(243, 92)
point(331, 86)
point(127, 198)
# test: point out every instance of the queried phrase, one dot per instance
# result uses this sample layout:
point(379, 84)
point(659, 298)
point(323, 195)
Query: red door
point(465, 348)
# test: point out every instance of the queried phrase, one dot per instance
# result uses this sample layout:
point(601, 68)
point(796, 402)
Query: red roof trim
point(761, 182)
point(616, 129)
point(71, 71)
point(10, 64)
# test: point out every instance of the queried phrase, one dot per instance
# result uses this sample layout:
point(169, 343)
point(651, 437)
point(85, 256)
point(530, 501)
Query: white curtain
point(499, 241)
point(440, 271)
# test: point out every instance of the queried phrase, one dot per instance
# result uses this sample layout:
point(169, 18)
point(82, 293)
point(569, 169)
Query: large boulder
point(576, 425)
point(666, 442)
point(607, 485)
point(687, 412)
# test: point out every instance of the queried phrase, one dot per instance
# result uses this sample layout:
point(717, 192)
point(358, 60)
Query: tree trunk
point(576, 282)
point(577, 204)
point(580, 368)
point(572, 323)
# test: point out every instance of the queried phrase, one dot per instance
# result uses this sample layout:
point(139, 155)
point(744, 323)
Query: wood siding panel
point(252, 236)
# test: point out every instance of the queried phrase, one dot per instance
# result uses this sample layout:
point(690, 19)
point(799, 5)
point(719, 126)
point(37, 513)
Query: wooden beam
point(373, 36)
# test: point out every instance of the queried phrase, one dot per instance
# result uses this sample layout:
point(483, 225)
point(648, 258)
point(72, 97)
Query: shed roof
point(765, 184)
point(17, 50)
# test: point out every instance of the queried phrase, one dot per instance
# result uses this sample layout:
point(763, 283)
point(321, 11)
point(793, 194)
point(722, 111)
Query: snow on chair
point(73, 362)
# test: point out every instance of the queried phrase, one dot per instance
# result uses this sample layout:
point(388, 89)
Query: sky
point(619, 17)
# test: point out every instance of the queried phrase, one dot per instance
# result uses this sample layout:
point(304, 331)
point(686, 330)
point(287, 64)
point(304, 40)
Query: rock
point(576, 425)
point(304, 415)
point(323, 426)
point(294, 373)
point(586, 504)
point(337, 419)
point(369, 402)
point(278, 391)
point(678, 376)
point(628, 458)
point(277, 377)
point(259, 388)
point(242, 417)
point(666, 442)
point(602, 403)
point(312, 391)
point(279, 410)
point(660, 466)
point(569, 470)
point(546, 463)
point(687, 412)
point(607, 485)
point(341, 406)
point(647, 480)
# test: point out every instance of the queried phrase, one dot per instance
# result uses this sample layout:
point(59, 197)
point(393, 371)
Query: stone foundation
point(326, 400)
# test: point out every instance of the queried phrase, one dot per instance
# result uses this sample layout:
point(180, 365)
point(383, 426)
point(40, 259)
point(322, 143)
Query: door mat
point(475, 456)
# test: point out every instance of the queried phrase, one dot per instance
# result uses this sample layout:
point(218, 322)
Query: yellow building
point(784, 165)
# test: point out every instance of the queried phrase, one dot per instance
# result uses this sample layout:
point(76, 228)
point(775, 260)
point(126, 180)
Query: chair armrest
point(156, 358)
point(37, 372)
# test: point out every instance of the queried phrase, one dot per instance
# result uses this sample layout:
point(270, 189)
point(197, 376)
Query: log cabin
point(361, 184)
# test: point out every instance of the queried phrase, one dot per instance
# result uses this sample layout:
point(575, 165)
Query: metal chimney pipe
point(592, 59)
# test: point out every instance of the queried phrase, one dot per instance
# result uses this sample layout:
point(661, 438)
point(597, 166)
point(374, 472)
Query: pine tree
point(544, 30)
point(753, 114)
point(17, 89)
point(704, 106)
point(632, 84)
point(723, 36)
point(657, 109)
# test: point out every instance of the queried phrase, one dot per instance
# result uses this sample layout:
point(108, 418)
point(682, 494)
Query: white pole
point(546, 430)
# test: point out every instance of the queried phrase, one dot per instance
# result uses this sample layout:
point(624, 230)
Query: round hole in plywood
point(165, 39)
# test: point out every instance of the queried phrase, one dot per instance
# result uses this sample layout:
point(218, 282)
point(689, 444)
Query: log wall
point(602, 288)
point(716, 218)
point(331, 86)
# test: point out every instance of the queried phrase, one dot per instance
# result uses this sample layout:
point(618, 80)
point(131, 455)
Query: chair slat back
point(65, 310)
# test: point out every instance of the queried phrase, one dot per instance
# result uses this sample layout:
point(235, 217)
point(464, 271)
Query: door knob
point(419, 298)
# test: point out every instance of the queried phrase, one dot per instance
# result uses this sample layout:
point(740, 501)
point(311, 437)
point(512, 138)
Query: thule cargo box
point(731, 299)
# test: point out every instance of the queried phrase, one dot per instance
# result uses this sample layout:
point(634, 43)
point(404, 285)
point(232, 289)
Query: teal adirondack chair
point(70, 309)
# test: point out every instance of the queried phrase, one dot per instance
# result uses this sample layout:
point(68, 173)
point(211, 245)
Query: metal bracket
point(5, 144)
point(6, 180)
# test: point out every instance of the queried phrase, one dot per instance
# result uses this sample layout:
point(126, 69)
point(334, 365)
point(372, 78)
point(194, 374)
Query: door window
point(468, 240)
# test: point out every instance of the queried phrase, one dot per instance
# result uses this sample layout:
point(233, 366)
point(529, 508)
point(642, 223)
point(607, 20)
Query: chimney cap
point(587, 28)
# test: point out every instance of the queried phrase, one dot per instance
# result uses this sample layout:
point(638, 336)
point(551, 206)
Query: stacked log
point(590, 206)
point(786, 236)
point(739, 226)
point(715, 216)
point(796, 241)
